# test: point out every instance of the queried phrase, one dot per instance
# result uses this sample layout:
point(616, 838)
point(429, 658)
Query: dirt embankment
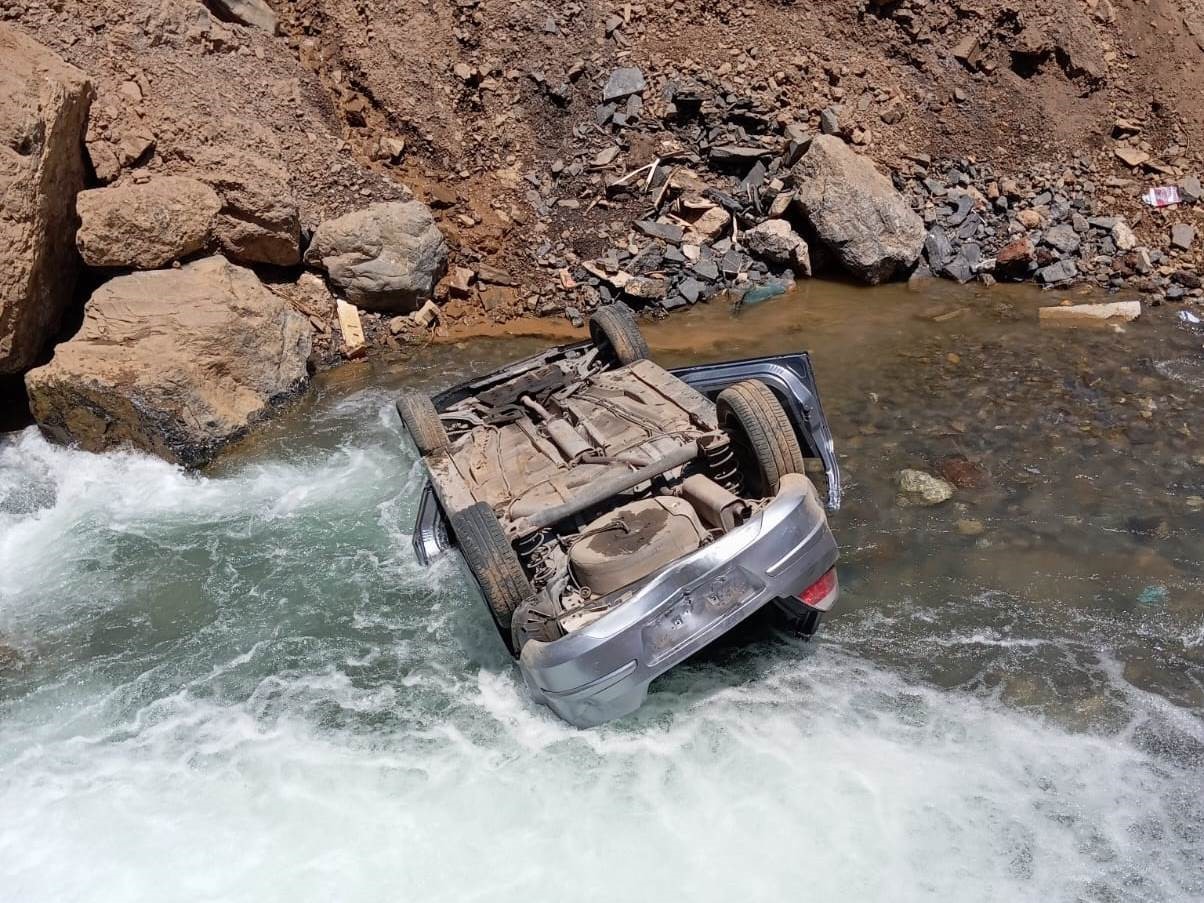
point(492, 110)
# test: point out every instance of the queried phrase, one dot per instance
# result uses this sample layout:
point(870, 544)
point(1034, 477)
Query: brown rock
point(259, 220)
point(206, 350)
point(1015, 259)
point(145, 226)
point(43, 116)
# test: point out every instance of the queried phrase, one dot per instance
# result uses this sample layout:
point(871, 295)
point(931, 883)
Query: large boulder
point(255, 13)
point(43, 116)
point(205, 350)
point(856, 212)
point(259, 220)
point(386, 257)
point(145, 225)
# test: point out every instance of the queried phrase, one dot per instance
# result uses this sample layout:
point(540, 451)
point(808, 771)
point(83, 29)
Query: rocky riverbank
point(217, 253)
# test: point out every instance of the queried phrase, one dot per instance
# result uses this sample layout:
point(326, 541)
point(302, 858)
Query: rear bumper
point(602, 671)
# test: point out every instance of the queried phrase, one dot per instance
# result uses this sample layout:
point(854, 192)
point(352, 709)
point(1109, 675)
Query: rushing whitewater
point(241, 687)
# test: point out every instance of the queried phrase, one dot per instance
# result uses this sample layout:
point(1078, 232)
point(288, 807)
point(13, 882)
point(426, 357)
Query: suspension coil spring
point(529, 550)
point(721, 463)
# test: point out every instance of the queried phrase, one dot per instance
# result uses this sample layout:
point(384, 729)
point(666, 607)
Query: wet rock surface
point(206, 350)
point(43, 114)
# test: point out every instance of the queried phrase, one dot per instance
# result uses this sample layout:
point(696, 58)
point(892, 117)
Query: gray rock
point(965, 203)
point(855, 210)
point(922, 489)
point(1063, 238)
point(43, 116)
point(1183, 235)
point(386, 257)
point(776, 241)
point(938, 248)
point(1189, 189)
point(664, 231)
point(829, 122)
point(623, 83)
point(1062, 271)
point(206, 350)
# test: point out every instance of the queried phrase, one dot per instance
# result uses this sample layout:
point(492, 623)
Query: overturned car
point(618, 517)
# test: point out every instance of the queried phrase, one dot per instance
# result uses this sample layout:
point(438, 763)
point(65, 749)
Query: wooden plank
point(354, 344)
point(1083, 313)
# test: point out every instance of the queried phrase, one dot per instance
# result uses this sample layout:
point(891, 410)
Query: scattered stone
point(1131, 156)
point(1062, 271)
point(1015, 260)
point(856, 211)
point(1077, 313)
point(1190, 191)
point(145, 225)
point(623, 83)
point(1122, 236)
point(664, 231)
point(43, 117)
point(1063, 238)
point(206, 350)
point(1029, 219)
point(386, 257)
point(1182, 236)
point(829, 122)
point(775, 241)
point(921, 489)
point(255, 13)
point(970, 526)
point(425, 316)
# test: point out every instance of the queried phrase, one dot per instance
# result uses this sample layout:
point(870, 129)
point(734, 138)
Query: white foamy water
point(242, 687)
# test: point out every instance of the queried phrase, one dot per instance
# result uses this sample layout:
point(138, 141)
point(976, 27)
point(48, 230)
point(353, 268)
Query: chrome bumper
point(602, 671)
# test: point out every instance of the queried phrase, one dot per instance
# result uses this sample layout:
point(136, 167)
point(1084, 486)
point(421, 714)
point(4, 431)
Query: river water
point(240, 685)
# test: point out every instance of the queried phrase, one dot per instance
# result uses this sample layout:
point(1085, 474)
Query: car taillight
point(821, 594)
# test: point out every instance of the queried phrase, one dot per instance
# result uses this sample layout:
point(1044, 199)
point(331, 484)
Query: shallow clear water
point(240, 685)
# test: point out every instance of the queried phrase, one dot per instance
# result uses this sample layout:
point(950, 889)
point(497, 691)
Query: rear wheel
point(421, 420)
point(762, 436)
point(492, 560)
point(614, 330)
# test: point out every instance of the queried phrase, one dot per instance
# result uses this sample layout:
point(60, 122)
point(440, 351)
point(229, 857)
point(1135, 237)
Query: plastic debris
point(1162, 196)
point(1188, 317)
point(765, 291)
point(1155, 594)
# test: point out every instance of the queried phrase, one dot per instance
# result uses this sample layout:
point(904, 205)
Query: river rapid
point(239, 685)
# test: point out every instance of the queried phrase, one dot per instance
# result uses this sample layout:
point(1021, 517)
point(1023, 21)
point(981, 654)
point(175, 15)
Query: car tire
point(493, 563)
point(614, 330)
point(421, 420)
point(762, 435)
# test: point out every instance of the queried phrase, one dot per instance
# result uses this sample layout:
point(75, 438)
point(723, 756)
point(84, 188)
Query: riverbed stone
point(205, 351)
point(856, 212)
point(775, 241)
point(922, 489)
point(146, 225)
point(385, 258)
point(43, 116)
